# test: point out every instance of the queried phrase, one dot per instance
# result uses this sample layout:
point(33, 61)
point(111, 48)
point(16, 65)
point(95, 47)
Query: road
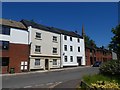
point(46, 79)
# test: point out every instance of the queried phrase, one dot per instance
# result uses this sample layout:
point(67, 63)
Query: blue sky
point(98, 18)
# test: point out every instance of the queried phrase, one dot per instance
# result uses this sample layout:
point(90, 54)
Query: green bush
point(111, 67)
point(94, 78)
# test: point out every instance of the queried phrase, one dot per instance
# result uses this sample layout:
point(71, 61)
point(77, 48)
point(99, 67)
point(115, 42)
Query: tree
point(115, 41)
point(89, 42)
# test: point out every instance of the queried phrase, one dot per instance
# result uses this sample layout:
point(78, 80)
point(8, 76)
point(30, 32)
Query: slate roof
point(50, 29)
point(11, 23)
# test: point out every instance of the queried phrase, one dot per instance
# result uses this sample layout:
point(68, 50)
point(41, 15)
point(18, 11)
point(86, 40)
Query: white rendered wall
point(75, 44)
point(46, 42)
point(17, 36)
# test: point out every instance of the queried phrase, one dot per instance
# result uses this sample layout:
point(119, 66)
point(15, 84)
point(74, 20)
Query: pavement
point(42, 71)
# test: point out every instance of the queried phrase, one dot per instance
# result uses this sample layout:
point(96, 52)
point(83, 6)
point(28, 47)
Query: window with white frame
point(65, 47)
point(54, 39)
point(78, 40)
point(37, 62)
point(37, 48)
point(38, 35)
point(71, 58)
point(54, 50)
point(65, 58)
point(70, 38)
point(78, 49)
point(65, 37)
point(54, 61)
point(71, 48)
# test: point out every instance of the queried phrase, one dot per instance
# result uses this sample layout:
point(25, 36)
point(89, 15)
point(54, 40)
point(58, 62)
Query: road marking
point(56, 83)
point(49, 83)
point(27, 86)
point(39, 85)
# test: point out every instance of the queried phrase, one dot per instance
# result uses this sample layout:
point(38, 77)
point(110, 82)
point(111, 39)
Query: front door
point(46, 64)
point(91, 60)
point(79, 60)
point(5, 64)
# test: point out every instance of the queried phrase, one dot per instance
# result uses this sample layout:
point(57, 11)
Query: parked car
point(97, 64)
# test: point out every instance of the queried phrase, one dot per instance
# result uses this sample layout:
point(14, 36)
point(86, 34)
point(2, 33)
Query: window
point(37, 48)
point(4, 45)
point(38, 35)
point(65, 37)
point(65, 47)
point(90, 50)
point(54, 61)
point(37, 62)
point(54, 38)
point(78, 40)
point(5, 61)
point(71, 58)
point(65, 58)
point(71, 48)
point(78, 49)
point(5, 30)
point(70, 38)
point(54, 50)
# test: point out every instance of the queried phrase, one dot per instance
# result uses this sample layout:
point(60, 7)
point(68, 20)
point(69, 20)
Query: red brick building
point(97, 54)
point(14, 46)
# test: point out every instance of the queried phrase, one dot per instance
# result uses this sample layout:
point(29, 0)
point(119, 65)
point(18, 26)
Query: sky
point(98, 18)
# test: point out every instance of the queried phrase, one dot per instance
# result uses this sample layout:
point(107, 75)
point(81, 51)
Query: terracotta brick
point(16, 54)
point(99, 56)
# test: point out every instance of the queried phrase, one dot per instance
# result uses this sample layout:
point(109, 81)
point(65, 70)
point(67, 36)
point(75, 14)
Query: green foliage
point(115, 41)
point(89, 42)
point(111, 67)
point(93, 78)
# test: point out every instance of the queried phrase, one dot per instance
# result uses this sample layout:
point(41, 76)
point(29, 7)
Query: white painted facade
point(75, 44)
point(17, 36)
point(46, 43)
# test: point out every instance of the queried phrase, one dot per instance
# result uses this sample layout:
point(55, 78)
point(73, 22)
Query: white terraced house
point(72, 49)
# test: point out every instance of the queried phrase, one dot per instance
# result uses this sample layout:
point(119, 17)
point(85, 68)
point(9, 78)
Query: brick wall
point(16, 54)
point(98, 54)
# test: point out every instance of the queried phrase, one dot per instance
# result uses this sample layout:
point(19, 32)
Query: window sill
point(38, 38)
point(37, 52)
point(55, 54)
point(55, 65)
point(55, 41)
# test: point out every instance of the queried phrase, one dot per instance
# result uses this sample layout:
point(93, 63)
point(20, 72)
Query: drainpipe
point(29, 44)
point(61, 52)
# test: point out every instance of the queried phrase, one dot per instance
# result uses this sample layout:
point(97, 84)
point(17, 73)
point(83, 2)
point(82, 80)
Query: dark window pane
point(65, 47)
point(5, 61)
point(65, 37)
point(78, 49)
point(71, 48)
point(54, 50)
point(70, 38)
point(5, 30)
point(65, 58)
point(4, 45)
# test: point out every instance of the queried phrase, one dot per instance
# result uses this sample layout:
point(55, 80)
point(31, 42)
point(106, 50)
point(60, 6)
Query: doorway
point(46, 64)
point(79, 61)
point(5, 64)
point(91, 60)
